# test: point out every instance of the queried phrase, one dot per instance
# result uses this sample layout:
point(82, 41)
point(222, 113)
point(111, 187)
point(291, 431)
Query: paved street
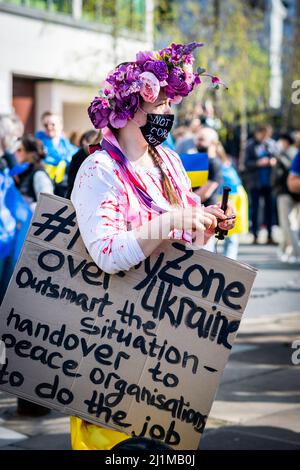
point(258, 402)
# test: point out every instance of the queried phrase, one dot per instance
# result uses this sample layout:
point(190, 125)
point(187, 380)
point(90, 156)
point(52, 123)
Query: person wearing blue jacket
point(59, 151)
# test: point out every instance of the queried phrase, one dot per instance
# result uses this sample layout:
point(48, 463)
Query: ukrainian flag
point(196, 166)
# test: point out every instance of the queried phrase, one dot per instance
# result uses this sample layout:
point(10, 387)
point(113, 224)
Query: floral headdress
point(170, 68)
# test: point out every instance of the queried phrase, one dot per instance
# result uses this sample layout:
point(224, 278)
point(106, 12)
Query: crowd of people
point(48, 162)
point(269, 179)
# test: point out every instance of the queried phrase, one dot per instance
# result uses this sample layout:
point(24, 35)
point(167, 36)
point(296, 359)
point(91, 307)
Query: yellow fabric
point(240, 202)
point(87, 436)
point(57, 172)
point(198, 178)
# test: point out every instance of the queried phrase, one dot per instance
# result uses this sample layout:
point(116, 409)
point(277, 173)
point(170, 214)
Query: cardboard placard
point(141, 351)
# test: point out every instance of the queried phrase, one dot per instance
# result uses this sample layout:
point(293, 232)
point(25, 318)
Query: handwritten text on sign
point(141, 351)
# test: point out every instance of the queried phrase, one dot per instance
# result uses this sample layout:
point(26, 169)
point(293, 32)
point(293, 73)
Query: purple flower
point(166, 52)
point(178, 53)
point(143, 56)
point(177, 84)
point(189, 59)
point(124, 109)
point(130, 104)
point(197, 80)
point(99, 112)
point(118, 75)
point(158, 68)
point(118, 119)
point(188, 48)
point(133, 72)
point(123, 90)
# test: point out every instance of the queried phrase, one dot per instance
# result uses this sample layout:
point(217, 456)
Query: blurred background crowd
point(249, 136)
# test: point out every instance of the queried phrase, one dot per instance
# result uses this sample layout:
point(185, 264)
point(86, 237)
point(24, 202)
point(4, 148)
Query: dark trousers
point(257, 194)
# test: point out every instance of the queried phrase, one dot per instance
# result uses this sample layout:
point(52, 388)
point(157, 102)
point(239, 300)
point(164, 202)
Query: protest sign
point(141, 351)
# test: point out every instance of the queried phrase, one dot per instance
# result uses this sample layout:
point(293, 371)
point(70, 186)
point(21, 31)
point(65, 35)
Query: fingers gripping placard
point(141, 352)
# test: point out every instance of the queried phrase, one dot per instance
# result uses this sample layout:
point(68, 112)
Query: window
point(128, 14)
point(56, 6)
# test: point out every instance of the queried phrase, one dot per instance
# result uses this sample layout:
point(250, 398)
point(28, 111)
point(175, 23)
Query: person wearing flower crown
point(132, 186)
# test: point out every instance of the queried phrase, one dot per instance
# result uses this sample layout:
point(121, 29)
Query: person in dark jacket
point(286, 201)
point(88, 138)
point(261, 153)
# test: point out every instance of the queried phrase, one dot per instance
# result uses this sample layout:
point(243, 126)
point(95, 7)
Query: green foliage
point(121, 14)
point(290, 115)
point(233, 51)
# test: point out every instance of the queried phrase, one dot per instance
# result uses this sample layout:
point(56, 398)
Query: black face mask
point(157, 128)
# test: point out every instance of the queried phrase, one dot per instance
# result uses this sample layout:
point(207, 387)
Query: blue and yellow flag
point(196, 166)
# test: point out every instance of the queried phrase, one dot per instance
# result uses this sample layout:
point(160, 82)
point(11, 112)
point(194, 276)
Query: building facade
point(55, 54)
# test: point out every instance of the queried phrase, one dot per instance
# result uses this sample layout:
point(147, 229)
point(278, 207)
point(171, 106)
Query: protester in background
point(34, 179)
point(294, 187)
point(59, 151)
point(294, 174)
point(207, 141)
point(239, 199)
point(286, 202)
point(88, 138)
point(11, 219)
point(31, 183)
point(11, 129)
point(260, 157)
point(8, 224)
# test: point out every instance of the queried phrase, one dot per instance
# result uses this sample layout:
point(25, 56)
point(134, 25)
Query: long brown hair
point(167, 185)
point(35, 148)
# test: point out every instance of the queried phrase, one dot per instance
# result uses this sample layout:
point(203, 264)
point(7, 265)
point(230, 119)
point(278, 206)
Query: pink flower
point(189, 74)
point(150, 87)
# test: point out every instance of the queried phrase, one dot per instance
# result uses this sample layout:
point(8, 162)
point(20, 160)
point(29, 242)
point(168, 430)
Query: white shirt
point(107, 208)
